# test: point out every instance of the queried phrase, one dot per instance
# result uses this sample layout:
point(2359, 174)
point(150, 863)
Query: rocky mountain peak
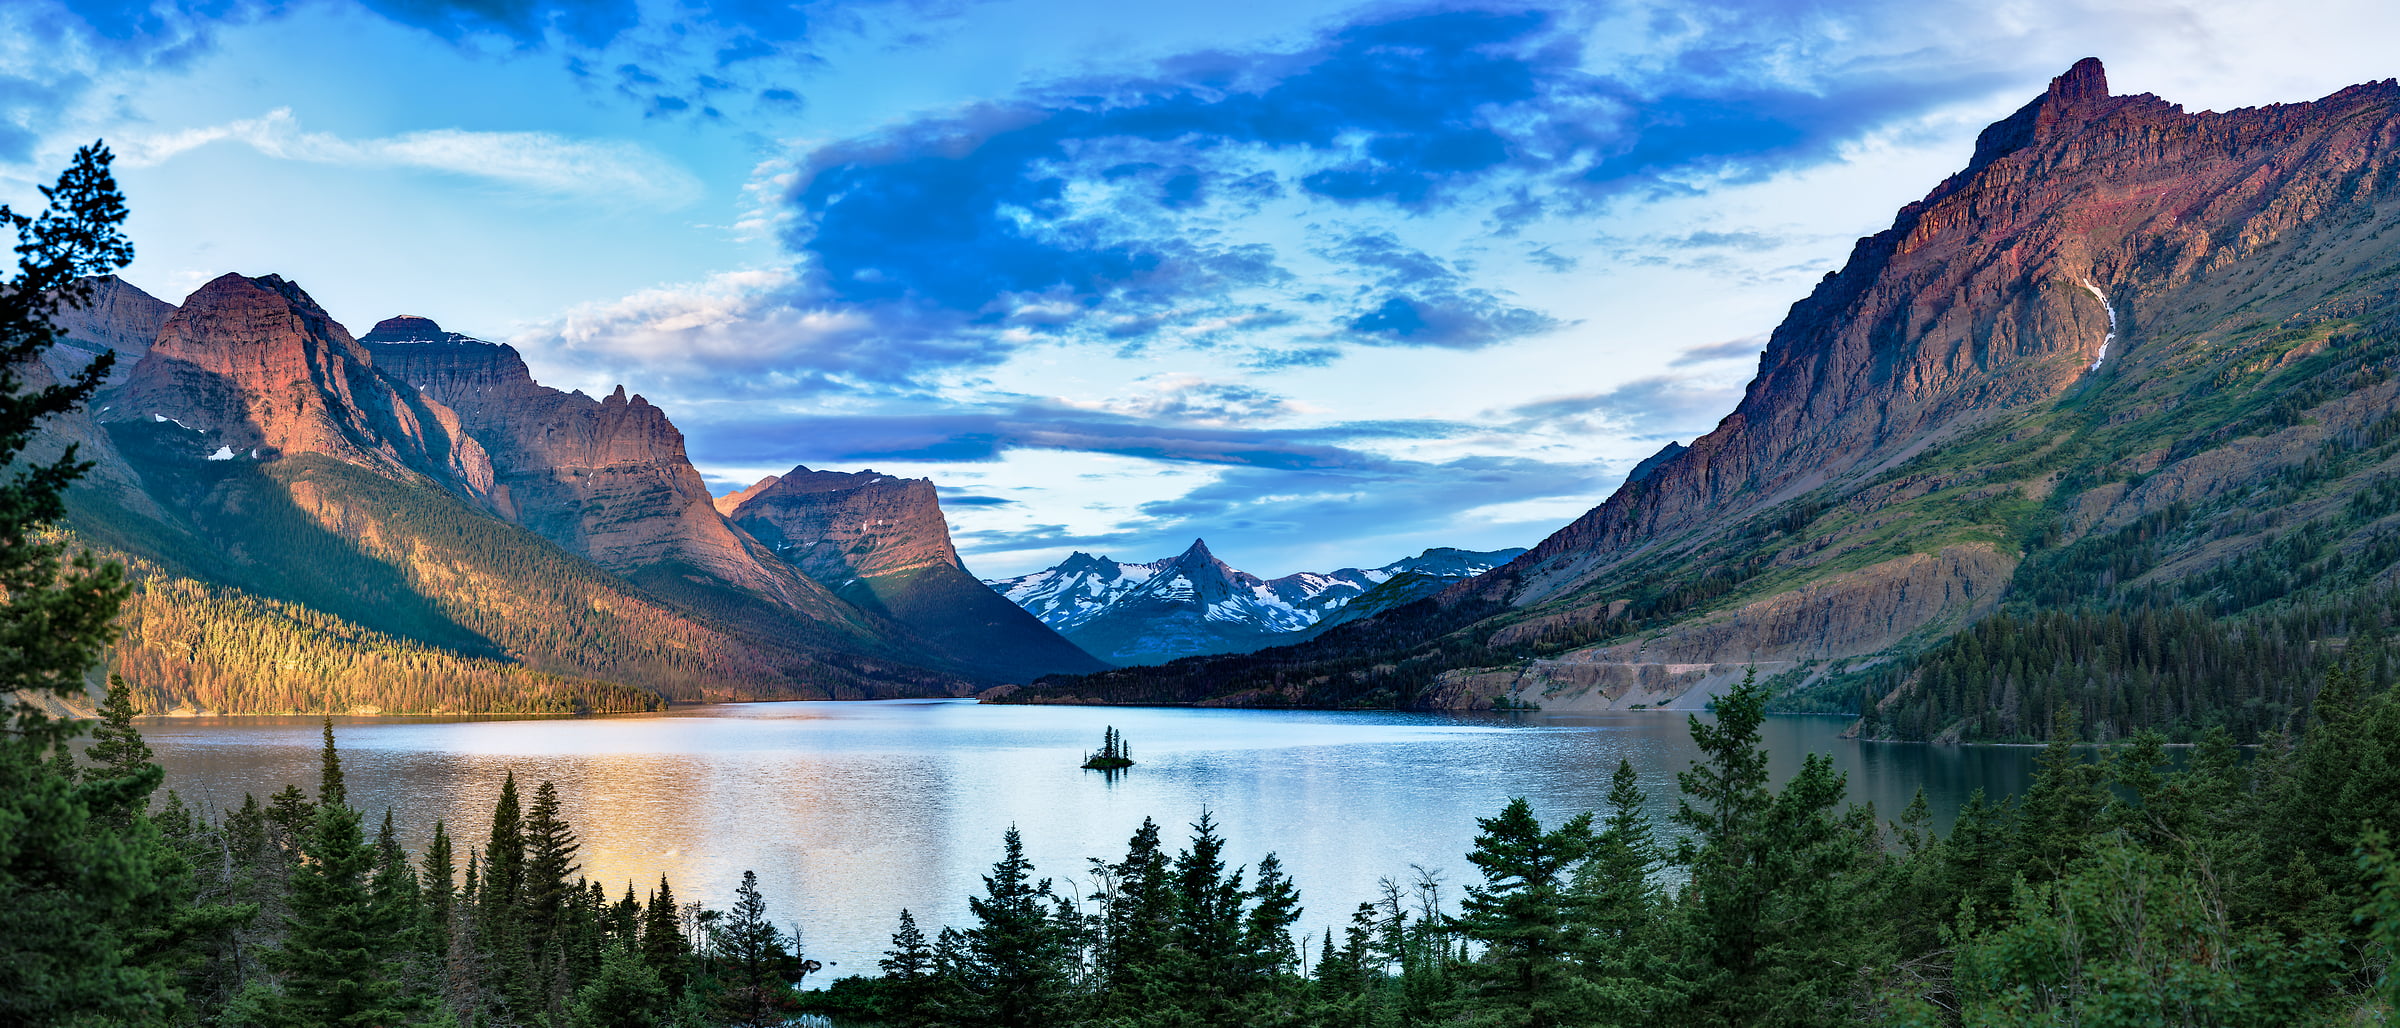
point(115, 316)
point(837, 526)
point(727, 503)
point(406, 328)
point(2085, 82)
point(607, 478)
point(257, 367)
point(1996, 291)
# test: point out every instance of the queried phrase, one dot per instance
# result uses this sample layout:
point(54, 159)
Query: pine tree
point(437, 874)
point(1768, 874)
point(77, 889)
point(625, 921)
point(117, 749)
point(1522, 915)
point(289, 814)
point(1203, 967)
point(544, 899)
point(663, 942)
point(755, 958)
point(626, 993)
point(908, 978)
point(1014, 968)
point(333, 962)
point(499, 918)
point(57, 620)
point(330, 790)
point(1137, 924)
point(1619, 905)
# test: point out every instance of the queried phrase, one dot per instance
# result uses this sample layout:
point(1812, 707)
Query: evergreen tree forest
point(2227, 886)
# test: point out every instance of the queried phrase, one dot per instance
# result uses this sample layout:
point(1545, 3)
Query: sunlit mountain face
point(1321, 282)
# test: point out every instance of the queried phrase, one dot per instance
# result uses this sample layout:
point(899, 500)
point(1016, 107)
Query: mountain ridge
point(320, 493)
point(1193, 603)
point(2114, 308)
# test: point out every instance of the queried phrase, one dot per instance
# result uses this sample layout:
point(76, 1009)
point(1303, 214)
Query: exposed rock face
point(1987, 295)
point(729, 502)
point(605, 478)
point(838, 526)
point(2117, 310)
point(883, 543)
point(258, 370)
point(116, 317)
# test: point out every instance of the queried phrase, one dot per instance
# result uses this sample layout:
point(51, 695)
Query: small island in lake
point(1112, 756)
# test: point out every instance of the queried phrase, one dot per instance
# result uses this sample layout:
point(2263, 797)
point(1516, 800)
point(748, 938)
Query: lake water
point(851, 811)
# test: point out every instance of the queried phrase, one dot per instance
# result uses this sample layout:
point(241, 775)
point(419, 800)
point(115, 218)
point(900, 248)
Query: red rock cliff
point(1987, 295)
point(255, 366)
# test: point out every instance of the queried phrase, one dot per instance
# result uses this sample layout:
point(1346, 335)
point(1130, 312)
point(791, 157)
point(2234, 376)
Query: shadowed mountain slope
point(2117, 309)
point(258, 463)
point(883, 544)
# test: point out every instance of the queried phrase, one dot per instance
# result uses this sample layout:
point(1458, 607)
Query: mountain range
point(2100, 431)
point(1193, 603)
point(407, 521)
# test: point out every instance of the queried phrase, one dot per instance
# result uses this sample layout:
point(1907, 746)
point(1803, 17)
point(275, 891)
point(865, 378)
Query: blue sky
point(1325, 283)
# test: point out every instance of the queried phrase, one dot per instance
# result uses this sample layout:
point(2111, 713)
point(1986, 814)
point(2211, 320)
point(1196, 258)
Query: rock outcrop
point(1998, 290)
point(117, 317)
point(2119, 314)
point(257, 371)
point(606, 478)
point(883, 543)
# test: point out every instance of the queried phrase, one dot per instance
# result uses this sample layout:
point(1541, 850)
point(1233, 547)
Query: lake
point(851, 811)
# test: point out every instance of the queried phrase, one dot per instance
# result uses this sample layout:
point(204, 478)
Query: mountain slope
point(256, 463)
point(2117, 309)
point(882, 543)
point(1193, 603)
point(607, 478)
point(259, 370)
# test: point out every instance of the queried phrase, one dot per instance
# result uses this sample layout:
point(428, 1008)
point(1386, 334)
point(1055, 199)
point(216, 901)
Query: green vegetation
point(248, 602)
point(1113, 755)
point(2191, 549)
point(2133, 890)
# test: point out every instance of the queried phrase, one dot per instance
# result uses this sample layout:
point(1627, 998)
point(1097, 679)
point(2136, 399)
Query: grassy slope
point(2258, 407)
point(408, 563)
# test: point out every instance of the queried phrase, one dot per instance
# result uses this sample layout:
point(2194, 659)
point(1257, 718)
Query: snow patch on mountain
point(1194, 603)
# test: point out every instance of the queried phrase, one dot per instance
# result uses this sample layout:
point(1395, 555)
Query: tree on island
point(1114, 755)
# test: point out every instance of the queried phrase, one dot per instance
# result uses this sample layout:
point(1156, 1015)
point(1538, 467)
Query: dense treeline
point(2129, 890)
point(2222, 889)
point(2011, 677)
point(295, 912)
point(210, 648)
point(443, 608)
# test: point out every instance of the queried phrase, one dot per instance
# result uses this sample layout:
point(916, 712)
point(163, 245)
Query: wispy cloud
point(1658, 405)
point(539, 162)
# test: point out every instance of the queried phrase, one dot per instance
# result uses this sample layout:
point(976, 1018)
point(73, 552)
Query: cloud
point(1193, 400)
point(1133, 206)
point(961, 498)
point(1453, 501)
point(743, 334)
point(539, 162)
point(55, 55)
point(1463, 320)
point(1659, 405)
point(976, 436)
point(525, 22)
point(1746, 348)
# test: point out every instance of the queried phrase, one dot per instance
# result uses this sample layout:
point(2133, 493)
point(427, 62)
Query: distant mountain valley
point(1192, 603)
